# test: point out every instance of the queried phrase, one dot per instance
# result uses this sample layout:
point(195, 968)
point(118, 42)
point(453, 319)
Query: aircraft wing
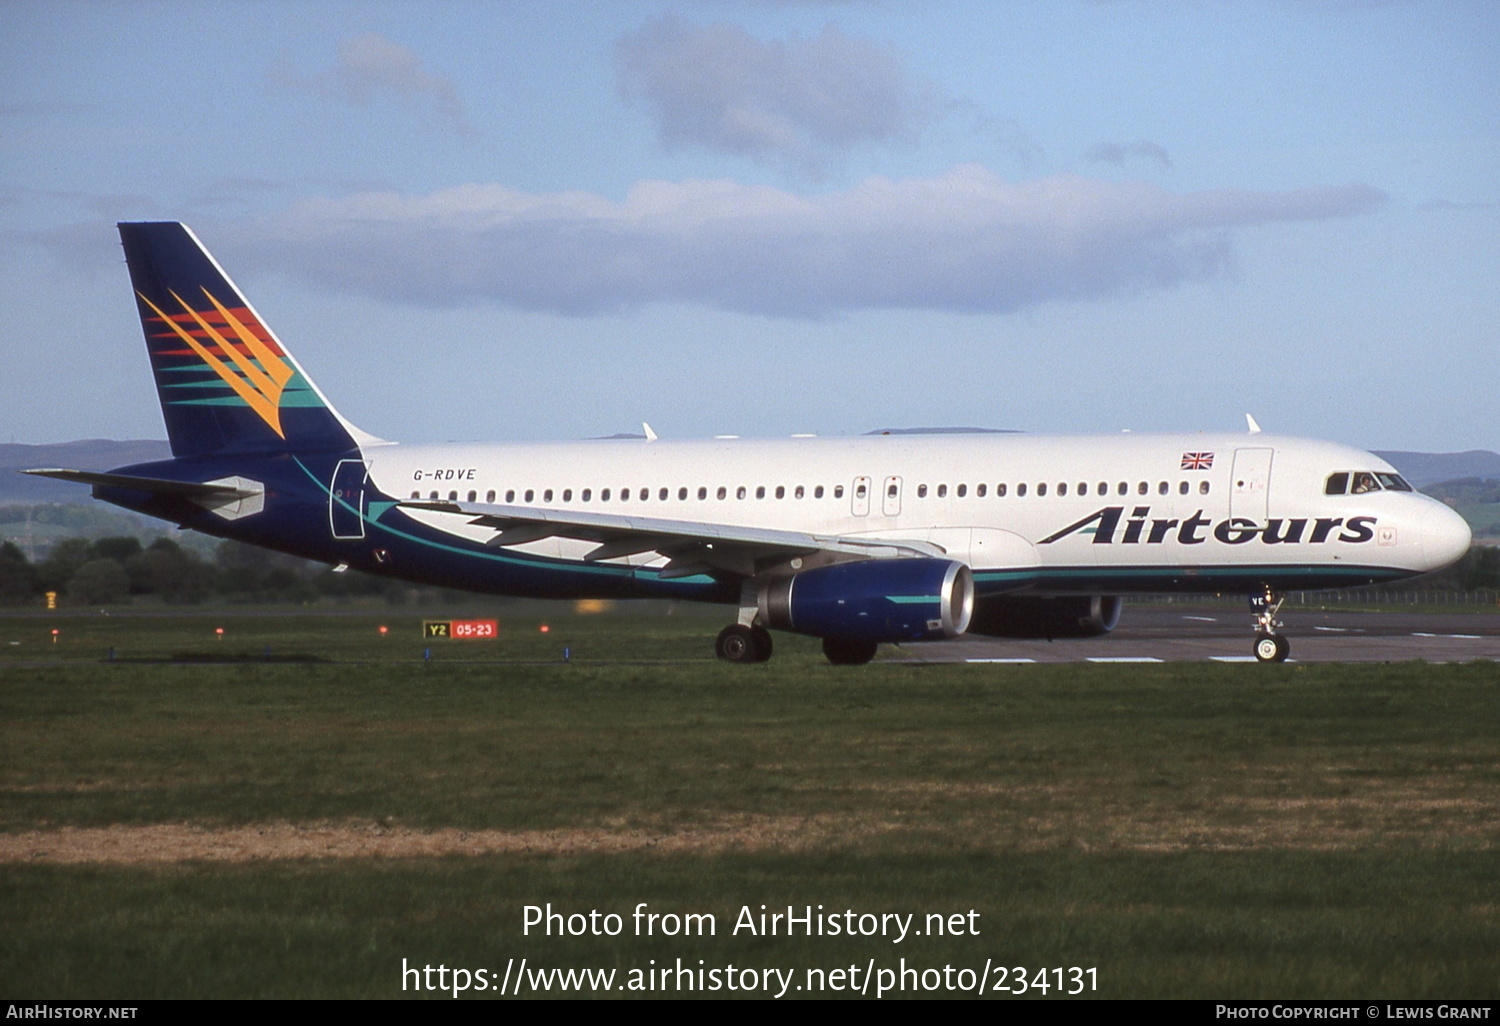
point(691, 546)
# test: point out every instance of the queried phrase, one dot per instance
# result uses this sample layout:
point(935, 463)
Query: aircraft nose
point(1445, 536)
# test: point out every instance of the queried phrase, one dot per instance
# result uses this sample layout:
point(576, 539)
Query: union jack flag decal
point(1197, 460)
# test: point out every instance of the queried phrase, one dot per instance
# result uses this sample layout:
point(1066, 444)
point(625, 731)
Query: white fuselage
point(997, 502)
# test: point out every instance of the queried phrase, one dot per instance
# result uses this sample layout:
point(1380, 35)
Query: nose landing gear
point(1270, 647)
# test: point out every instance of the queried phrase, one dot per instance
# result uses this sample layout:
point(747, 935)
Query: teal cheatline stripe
point(560, 566)
point(301, 400)
point(911, 600)
point(228, 400)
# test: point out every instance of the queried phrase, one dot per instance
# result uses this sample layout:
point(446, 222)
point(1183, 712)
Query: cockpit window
point(1362, 482)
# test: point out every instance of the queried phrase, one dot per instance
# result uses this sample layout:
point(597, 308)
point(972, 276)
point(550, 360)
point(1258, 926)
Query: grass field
point(192, 829)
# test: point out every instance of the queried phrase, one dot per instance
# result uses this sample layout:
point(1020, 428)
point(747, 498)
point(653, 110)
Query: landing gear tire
point(849, 651)
point(763, 646)
point(740, 644)
point(1271, 648)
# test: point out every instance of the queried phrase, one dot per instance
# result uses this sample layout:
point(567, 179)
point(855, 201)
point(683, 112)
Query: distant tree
point(17, 576)
point(65, 559)
point(168, 570)
point(1482, 569)
point(98, 582)
point(116, 548)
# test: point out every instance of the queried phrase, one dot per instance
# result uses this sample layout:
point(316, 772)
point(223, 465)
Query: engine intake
point(877, 600)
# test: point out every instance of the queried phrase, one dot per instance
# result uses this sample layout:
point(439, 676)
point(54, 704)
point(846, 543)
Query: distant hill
point(89, 454)
point(1425, 468)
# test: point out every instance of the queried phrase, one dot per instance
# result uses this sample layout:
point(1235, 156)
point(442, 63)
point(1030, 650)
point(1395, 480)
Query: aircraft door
point(346, 499)
point(891, 497)
point(1250, 484)
point(861, 496)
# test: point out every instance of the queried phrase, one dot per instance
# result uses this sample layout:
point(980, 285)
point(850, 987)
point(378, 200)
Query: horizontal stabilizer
point(190, 489)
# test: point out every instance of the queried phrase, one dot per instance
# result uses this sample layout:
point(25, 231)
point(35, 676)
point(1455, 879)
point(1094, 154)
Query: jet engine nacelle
point(1008, 616)
point(876, 600)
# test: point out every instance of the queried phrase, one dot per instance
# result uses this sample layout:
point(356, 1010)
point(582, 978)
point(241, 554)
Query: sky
point(537, 220)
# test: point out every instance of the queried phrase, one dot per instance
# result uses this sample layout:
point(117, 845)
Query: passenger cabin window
point(798, 493)
point(604, 495)
point(818, 492)
point(1021, 490)
point(530, 494)
point(547, 495)
point(942, 491)
point(838, 491)
point(510, 495)
point(567, 495)
point(739, 493)
point(1202, 487)
point(979, 491)
point(489, 496)
point(1000, 491)
point(702, 493)
point(588, 493)
point(1182, 488)
point(760, 492)
point(722, 491)
point(1062, 489)
point(1041, 489)
point(921, 491)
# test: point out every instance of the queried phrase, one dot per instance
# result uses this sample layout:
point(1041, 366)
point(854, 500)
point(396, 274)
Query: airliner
point(893, 537)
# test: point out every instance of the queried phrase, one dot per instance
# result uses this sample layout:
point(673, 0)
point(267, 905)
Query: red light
point(384, 629)
point(545, 628)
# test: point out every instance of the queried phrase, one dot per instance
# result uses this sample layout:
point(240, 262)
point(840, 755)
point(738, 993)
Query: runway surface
point(1178, 633)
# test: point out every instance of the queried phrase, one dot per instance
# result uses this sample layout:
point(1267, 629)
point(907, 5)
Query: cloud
point(371, 65)
point(795, 100)
point(1118, 153)
point(964, 241)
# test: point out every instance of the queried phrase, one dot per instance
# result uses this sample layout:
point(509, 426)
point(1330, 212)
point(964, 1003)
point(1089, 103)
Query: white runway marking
point(999, 660)
point(1234, 659)
point(1125, 659)
point(1203, 619)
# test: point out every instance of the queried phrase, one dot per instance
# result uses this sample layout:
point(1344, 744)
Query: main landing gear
point(1270, 647)
point(738, 643)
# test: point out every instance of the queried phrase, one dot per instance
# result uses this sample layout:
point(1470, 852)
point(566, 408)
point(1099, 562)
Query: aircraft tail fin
point(225, 382)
